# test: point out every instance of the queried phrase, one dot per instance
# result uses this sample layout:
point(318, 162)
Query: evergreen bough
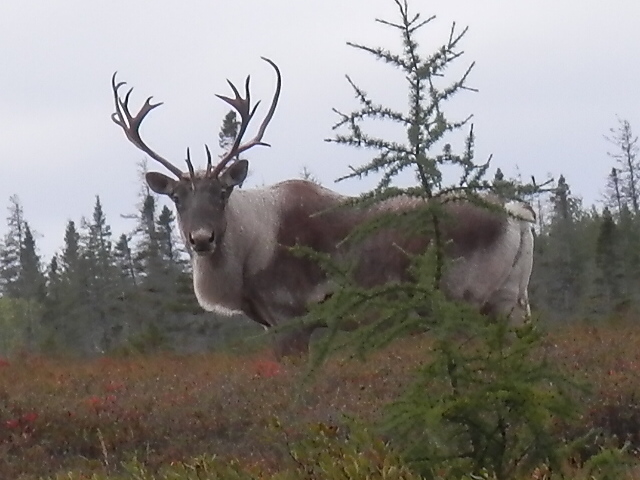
point(485, 400)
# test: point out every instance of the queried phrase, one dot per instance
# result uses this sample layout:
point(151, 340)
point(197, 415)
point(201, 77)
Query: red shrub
point(267, 368)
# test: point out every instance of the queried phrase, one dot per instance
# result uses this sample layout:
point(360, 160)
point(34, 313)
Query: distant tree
point(613, 193)
point(69, 315)
point(32, 288)
point(72, 267)
point(124, 262)
point(148, 258)
point(70, 257)
point(32, 279)
point(610, 275)
point(626, 156)
point(126, 295)
point(102, 285)
point(154, 286)
point(53, 311)
point(502, 186)
point(53, 281)
point(167, 246)
point(11, 250)
point(559, 281)
point(15, 334)
point(180, 297)
point(629, 230)
point(99, 239)
point(565, 206)
point(21, 276)
point(228, 130)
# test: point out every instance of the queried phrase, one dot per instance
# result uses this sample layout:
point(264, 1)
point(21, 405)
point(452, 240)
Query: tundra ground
point(88, 417)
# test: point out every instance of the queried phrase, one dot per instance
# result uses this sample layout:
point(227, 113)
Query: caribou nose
point(202, 240)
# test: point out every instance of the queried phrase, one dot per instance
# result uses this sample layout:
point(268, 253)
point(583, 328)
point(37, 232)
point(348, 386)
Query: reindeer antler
point(243, 107)
point(130, 124)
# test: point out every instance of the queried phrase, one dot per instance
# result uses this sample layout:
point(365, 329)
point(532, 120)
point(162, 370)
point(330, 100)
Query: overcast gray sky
point(552, 76)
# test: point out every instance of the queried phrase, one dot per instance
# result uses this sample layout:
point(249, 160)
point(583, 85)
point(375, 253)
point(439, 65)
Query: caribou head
point(200, 197)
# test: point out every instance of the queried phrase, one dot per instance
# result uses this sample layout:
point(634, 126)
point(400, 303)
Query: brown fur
point(311, 216)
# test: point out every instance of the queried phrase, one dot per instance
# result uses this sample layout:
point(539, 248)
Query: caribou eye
point(176, 199)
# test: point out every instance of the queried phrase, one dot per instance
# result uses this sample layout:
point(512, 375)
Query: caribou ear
point(235, 174)
point(160, 183)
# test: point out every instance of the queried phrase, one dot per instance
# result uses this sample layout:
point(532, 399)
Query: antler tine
point(130, 124)
point(190, 166)
point(206, 147)
point(243, 106)
point(272, 109)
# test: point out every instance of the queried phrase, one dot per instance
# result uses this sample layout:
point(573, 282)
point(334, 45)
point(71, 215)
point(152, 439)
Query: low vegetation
point(246, 416)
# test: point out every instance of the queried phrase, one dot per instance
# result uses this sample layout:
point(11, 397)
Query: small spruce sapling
point(483, 401)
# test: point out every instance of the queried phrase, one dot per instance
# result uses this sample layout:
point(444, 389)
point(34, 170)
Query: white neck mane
point(248, 246)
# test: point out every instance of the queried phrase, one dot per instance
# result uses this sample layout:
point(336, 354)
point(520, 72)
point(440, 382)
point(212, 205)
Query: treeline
point(587, 259)
point(101, 293)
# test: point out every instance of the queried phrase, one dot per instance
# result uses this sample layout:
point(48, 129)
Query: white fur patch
point(206, 300)
point(252, 226)
point(248, 246)
point(521, 210)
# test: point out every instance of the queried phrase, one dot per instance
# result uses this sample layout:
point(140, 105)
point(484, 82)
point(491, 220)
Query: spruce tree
point(12, 249)
point(53, 281)
point(504, 187)
point(427, 127)
point(481, 401)
point(167, 246)
point(127, 307)
point(610, 279)
point(626, 157)
point(52, 305)
point(149, 257)
point(70, 258)
point(613, 193)
point(629, 228)
point(560, 273)
point(32, 279)
point(154, 285)
point(180, 296)
point(228, 130)
point(22, 281)
point(97, 254)
point(72, 324)
point(125, 265)
point(74, 275)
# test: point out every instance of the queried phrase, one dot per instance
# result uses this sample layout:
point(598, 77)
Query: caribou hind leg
point(293, 343)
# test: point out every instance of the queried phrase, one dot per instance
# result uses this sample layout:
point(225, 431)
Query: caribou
point(240, 240)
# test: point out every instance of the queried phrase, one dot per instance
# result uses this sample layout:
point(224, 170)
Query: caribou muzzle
point(202, 241)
